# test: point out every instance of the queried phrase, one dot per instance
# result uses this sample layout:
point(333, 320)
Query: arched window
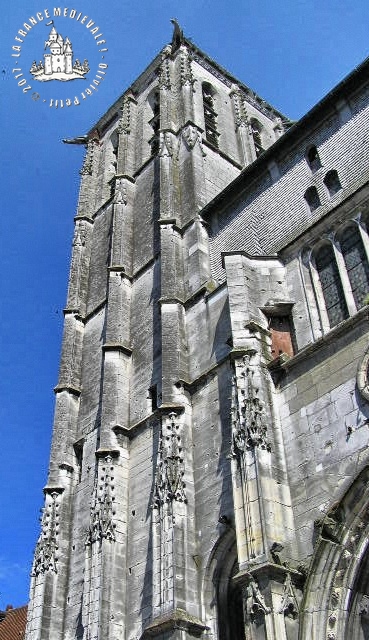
point(312, 198)
point(356, 263)
point(256, 132)
point(154, 101)
point(312, 158)
point(332, 182)
point(327, 269)
point(210, 114)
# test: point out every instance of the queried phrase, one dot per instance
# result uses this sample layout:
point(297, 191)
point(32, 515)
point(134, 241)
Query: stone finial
point(177, 38)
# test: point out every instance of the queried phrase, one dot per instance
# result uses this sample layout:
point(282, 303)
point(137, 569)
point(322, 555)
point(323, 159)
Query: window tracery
point(340, 274)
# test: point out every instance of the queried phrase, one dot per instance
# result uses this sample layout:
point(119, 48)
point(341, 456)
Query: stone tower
point(172, 507)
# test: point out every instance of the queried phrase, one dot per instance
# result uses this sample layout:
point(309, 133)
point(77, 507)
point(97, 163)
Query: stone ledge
point(269, 569)
point(75, 391)
point(177, 619)
point(117, 346)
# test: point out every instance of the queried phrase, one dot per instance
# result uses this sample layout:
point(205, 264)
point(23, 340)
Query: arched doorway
point(336, 601)
point(222, 593)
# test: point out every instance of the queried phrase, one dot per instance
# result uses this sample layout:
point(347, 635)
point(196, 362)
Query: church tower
point(119, 548)
point(173, 506)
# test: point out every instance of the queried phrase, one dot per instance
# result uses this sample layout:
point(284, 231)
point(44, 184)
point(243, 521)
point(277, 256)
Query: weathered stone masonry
point(209, 464)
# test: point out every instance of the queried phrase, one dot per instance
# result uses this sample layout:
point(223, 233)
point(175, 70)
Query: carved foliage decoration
point(185, 74)
point(124, 126)
point(87, 166)
point(239, 107)
point(164, 69)
point(169, 484)
point(248, 415)
point(102, 510)
point(47, 545)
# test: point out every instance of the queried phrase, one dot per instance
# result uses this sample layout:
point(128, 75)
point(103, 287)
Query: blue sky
point(290, 52)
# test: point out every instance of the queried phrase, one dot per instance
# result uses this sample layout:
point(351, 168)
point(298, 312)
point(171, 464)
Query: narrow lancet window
point(335, 303)
point(332, 182)
point(356, 263)
point(210, 114)
point(312, 198)
point(312, 158)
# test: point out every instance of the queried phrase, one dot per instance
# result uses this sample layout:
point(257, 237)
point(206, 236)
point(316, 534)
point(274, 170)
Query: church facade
point(209, 466)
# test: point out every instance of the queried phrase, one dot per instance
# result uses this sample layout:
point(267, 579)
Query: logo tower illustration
point(58, 63)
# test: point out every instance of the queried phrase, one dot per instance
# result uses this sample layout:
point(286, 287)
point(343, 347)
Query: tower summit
point(208, 472)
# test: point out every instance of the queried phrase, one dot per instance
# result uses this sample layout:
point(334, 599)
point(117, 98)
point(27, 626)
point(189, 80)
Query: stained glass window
point(356, 263)
point(330, 281)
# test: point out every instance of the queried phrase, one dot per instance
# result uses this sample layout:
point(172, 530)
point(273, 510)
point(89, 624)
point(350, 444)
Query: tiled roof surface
point(13, 626)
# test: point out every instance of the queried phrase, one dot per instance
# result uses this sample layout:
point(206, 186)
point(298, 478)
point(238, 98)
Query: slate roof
point(13, 624)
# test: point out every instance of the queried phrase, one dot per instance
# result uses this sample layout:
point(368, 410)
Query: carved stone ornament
point(102, 511)
point(330, 525)
point(239, 106)
point(164, 69)
point(185, 73)
point(165, 144)
point(191, 135)
point(87, 166)
point(362, 376)
point(364, 606)
point(289, 604)
point(248, 415)
point(47, 545)
point(124, 126)
point(120, 193)
point(169, 484)
point(79, 239)
point(254, 603)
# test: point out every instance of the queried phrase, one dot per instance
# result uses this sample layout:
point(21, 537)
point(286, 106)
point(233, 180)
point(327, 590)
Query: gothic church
point(209, 471)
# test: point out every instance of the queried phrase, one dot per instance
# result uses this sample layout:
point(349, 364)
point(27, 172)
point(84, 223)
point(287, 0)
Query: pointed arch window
point(313, 159)
point(210, 114)
point(332, 290)
point(356, 263)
